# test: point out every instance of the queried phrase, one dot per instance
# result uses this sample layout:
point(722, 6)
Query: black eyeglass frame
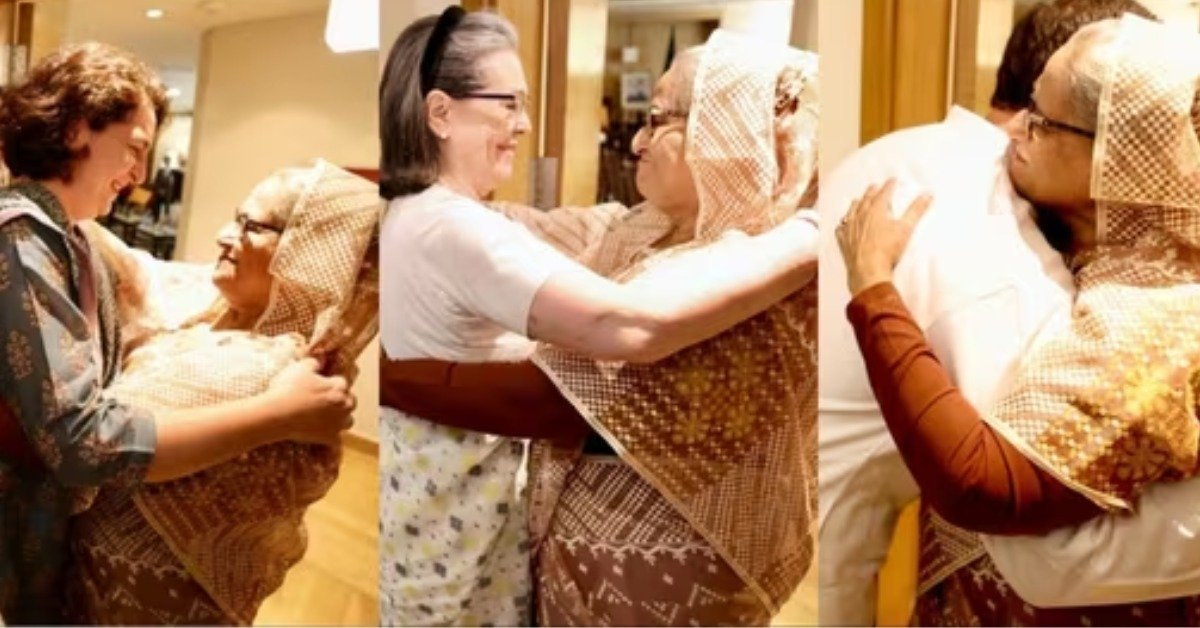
point(657, 118)
point(519, 100)
point(247, 225)
point(1033, 118)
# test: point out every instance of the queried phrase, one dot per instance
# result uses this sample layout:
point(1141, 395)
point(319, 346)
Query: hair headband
point(432, 57)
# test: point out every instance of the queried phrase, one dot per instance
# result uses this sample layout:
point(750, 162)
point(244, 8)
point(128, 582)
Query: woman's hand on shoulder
point(871, 240)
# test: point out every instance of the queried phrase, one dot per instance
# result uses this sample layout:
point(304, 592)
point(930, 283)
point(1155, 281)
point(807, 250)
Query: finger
point(882, 201)
point(916, 210)
point(868, 194)
point(888, 186)
point(338, 383)
point(875, 190)
point(309, 364)
point(850, 213)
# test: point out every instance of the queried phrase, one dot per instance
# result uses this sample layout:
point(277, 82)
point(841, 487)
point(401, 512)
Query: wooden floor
point(337, 583)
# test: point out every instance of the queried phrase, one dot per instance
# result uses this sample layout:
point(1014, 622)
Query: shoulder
point(32, 245)
point(961, 134)
point(940, 158)
point(442, 228)
point(437, 208)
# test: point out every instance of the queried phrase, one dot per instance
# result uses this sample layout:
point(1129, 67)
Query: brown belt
point(512, 399)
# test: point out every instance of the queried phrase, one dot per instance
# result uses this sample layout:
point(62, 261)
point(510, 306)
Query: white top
point(457, 282)
point(460, 279)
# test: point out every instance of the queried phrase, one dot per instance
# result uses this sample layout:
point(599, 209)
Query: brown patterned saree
point(706, 516)
point(210, 547)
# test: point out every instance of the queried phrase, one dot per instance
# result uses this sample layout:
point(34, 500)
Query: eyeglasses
point(517, 102)
point(1035, 118)
point(248, 226)
point(659, 118)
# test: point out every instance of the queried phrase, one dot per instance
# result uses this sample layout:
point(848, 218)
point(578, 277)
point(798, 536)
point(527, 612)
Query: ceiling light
point(352, 25)
point(173, 92)
point(154, 14)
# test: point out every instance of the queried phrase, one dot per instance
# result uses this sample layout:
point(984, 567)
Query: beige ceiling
point(172, 42)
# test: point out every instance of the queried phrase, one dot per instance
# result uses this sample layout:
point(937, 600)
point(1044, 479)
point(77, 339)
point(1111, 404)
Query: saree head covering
point(238, 527)
point(1109, 405)
point(724, 430)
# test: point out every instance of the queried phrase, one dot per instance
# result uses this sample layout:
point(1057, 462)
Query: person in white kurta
point(979, 278)
point(459, 276)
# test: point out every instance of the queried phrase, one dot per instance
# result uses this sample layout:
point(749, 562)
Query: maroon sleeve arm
point(970, 475)
point(513, 399)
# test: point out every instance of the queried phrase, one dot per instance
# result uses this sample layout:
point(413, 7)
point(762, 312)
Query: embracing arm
point(83, 436)
point(514, 399)
point(299, 405)
point(655, 315)
point(969, 474)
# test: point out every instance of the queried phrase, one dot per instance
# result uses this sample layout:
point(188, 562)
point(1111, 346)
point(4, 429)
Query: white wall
point(271, 94)
point(804, 25)
point(840, 44)
point(769, 20)
point(396, 15)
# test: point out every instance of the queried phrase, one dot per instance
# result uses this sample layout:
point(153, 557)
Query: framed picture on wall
point(636, 88)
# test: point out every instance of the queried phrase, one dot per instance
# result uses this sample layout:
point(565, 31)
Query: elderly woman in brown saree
point(297, 275)
point(1104, 406)
point(703, 514)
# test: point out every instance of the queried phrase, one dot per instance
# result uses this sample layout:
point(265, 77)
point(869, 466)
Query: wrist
point(859, 282)
point(270, 421)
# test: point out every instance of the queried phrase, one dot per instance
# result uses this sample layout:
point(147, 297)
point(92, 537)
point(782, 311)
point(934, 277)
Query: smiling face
point(113, 158)
point(663, 176)
point(479, 135)
point(247, 246)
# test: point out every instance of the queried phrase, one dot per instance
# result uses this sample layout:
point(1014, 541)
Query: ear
point(79, 136)
point(437, 113)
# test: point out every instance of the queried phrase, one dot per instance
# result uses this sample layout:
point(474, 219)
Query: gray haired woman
point(462, 282)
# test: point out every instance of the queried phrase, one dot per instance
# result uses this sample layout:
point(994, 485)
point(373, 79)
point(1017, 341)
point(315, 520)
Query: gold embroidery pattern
point(1108, 407)
point(20, 355)
point(725, 430)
